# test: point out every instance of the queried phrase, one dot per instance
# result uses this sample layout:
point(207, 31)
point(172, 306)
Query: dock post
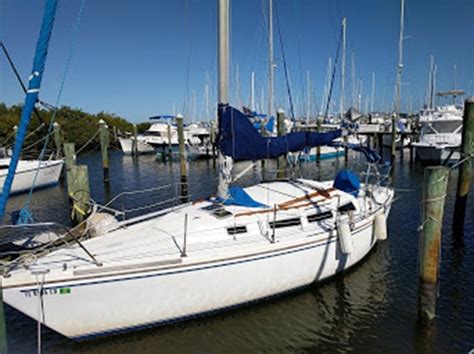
point(318, 148)
point(182, 160)
point(170, 147)
point(135, 141)
point(57, 140)
point(15, 132)
point(78, 191)
point(380, 143)
point(434, 193)
point(104, 146)
point(281, 161)
point(213, 143)
point(70, 158)
point(114, 128)
point(465, 168)
point(393, 147)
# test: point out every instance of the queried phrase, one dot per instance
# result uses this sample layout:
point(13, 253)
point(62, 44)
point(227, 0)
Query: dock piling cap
point(179, 115)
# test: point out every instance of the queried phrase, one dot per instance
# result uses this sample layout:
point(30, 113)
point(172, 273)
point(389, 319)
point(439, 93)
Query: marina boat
point(440, 136)
point(244, 245)
point(202, 257)
point(48, 173)
point(156, 139)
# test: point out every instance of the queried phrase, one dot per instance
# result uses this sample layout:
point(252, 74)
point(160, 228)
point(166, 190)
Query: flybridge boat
point(440, 137)
point(156, 139)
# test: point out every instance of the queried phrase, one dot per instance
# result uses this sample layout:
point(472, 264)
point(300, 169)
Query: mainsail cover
point(237, 138)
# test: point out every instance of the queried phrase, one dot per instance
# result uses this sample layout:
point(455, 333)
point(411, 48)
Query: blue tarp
point(348, 182)
point(238, 196)
point(240, 140)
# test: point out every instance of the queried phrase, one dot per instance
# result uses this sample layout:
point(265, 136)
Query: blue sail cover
point(238, 196)
point(239, 139)
point(31, 97)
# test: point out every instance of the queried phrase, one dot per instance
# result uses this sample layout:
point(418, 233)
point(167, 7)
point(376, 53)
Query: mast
point(373, 94)
point(308, 97)
point(399, 78)
point(252, 92)
point(225, 163)
point(343, 68)
point(270, 58)
point(31, 98)
point(206, 98)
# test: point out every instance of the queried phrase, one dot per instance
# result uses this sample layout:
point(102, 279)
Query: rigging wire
point(333, 75)
point(20, 81)
point(288, 86)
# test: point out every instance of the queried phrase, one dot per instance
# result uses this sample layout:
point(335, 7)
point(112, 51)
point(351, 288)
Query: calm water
point(370, 309)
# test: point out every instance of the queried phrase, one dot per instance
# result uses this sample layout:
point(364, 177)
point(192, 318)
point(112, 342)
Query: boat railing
point(22, 244)
point(129, 204)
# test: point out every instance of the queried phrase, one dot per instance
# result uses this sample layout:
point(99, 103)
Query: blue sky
point(142, 58)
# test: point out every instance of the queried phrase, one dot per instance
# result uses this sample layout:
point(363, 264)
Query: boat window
point(221, 213)
point(320, 216)
point(285, 223)
point(346, 208)
point(3, 167)
point(234, 230)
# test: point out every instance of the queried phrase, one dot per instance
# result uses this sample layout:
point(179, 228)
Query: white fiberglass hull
point(435, 154)
point(108, 304)
point(47, 175)
point(142, 147)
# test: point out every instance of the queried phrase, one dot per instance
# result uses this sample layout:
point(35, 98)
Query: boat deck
point(242, 230)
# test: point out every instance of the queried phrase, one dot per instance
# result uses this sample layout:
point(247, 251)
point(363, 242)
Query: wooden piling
point(57, 140)
point(393, 147)
point(318, 148)
point(70, 159)
point(213, 142)
point(182, 160)
point(170, 147)
point(135, 141)
point(281, 161)
point(465, 168)
point(434, 194)
point(79, 193)
point(104, 146)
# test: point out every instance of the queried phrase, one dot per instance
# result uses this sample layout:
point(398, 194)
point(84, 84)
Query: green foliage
point(76, 126)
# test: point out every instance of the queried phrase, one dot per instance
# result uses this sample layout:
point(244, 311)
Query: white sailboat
point(48, 173)
point(246, 245)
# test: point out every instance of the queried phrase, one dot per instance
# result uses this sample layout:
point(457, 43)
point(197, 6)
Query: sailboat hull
point(108, 304)
point(47, 174)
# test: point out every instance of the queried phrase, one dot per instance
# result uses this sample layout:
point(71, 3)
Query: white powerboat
point(440, 137)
